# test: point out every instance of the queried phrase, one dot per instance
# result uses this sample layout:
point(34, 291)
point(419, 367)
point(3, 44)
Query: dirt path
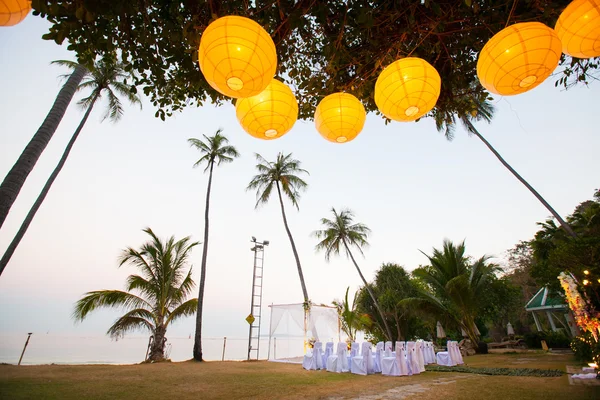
point(407, 391)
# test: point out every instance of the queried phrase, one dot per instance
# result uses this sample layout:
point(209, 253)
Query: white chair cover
point(377, 357)
point(454, 352)
point(389, 365)
point(444, 357)
point(401, 358)
point(411, 357)
point(328, 352)
point(313, 359)
point(388, 349)
point(420, 355)
point(430, 353)
point(363, 364)
point(338, 362)
point(354, 348)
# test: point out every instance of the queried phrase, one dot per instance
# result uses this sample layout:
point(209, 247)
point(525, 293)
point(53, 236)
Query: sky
point(405, 181)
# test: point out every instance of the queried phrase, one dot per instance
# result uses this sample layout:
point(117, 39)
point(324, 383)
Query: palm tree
point(456, 286)
point(162, 291)
point(351, 319)
point(15, 179)
point(213, 149)
point(283, 175)
point(473, 109)
point(105, 78)
point(342, 231)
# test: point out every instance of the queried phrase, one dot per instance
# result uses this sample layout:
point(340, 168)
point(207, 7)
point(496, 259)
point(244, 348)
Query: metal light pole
point(254, 318)
point(24, 347)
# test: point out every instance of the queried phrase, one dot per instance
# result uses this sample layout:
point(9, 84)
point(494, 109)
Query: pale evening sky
point(410, 185)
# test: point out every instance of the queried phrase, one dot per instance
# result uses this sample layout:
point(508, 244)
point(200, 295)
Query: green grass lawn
point(266, 380)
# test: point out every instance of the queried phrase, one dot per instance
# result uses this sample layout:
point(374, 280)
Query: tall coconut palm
point(155, 298)
point(106, 78)
point(214, 149)
point(15, 179)
point(342, 232)
point(456, 286)
point(483, 110)
point(282, 175)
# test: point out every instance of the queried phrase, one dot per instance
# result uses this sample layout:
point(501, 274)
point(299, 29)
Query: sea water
point(88, 349)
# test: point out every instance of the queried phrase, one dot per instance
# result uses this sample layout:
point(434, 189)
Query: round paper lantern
point(340, 117)
point(578, 28)
point(407, 89)
point(13, 11)
point(237, 56)
point(270, 114)
point(518, 58)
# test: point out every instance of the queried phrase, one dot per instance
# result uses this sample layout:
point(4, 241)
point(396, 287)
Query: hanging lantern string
point(511, 12)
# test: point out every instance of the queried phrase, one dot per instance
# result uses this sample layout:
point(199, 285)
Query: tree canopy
point(322, 46)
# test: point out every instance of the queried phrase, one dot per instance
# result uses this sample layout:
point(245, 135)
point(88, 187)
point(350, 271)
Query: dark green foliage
point(392, 284)
point(554, 252)
point(542, 373)
point(556, 340)
point(586, 348)
point(322, 46)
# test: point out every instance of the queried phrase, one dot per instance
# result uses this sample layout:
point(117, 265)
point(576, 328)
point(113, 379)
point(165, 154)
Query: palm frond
point(133, 320)
point(183, 310)
point(109, 299)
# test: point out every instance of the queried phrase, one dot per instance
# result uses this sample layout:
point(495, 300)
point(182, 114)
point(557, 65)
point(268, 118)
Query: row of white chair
point(408, 359)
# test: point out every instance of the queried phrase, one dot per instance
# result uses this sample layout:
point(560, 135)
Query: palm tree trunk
point(198, 336)
point(562, 222)
point(157, 349)
point(287, 229)
point(40, 199)
point(15, 179)
point(387, 328)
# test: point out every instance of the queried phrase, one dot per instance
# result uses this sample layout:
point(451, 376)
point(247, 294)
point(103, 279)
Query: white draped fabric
point(354, 348)
point(388, 349)
point(429, 353)
point(377, 357)
point(401, 358)
point(363, 364)
point(420, 355)
point(338, 362)
point(328, 352)
point(313, 359)
point(446, 357)
point(411, 356)
point(454, 352)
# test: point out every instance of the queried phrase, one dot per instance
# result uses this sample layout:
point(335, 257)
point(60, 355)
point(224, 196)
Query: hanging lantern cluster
point(340, 117)
point(270, 114)
point(578, 28)
point(13, 11)
point(238, 59)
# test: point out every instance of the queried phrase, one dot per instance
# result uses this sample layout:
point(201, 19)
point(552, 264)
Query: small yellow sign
point(250, 319)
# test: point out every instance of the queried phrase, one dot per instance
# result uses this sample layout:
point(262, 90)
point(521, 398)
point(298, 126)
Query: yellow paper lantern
point(237, 56)
point(518, 58)
point(270, 114)
point(340, 117)
point(578, 28)
point(13, 11)
point(407, 89)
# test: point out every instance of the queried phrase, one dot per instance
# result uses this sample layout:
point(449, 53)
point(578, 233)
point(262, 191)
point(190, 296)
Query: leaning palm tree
point(214, 149)
point(155, 298)
point(455, 286)
point(15, 179)
point(343, 232)
point(483, 110)
point(282, 175)
point(107, 77)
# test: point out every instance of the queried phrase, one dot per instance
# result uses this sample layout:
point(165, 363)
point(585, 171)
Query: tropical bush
point(586, 348)
point(553, 340)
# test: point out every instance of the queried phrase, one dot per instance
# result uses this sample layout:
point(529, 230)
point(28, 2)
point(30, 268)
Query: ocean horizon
point(100, 349)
